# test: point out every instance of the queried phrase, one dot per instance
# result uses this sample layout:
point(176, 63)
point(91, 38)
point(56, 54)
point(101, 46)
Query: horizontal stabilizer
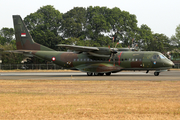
point(24, 52)
point(19, 51)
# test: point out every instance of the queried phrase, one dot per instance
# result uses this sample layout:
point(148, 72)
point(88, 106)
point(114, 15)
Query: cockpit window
point(161, 56)
point(156, 57)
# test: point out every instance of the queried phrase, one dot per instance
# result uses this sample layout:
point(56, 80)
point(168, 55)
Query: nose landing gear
point(156, 73)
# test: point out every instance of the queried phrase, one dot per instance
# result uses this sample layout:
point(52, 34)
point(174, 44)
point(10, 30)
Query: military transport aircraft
point(93, 60)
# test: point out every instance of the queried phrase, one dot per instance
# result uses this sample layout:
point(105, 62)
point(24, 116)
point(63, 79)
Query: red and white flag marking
point(53, 58)
point(23, 34)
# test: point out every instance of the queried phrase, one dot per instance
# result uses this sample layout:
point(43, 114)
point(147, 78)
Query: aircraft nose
point(171, 64)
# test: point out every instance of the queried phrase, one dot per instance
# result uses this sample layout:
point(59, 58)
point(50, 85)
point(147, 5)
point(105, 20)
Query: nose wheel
point(156, 73)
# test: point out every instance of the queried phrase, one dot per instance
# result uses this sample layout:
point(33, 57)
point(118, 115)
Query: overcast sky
point(162, 16)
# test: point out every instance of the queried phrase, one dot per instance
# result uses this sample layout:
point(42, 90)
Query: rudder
point(24, 40)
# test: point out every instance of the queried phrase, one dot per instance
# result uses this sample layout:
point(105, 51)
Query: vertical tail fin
point(24, 40)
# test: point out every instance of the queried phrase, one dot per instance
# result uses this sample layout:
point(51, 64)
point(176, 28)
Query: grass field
point(84, 100)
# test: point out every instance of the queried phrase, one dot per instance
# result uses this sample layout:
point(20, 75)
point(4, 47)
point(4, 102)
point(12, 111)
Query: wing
point(94, 51)
point(79, 48)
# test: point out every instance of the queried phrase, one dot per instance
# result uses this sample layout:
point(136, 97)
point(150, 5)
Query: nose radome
point(171, 64)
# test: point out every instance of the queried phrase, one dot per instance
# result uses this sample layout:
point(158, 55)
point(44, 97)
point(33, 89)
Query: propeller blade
point(111, 57)
point(117, 44)
point(110, 48)
point(114, 60)
point(113, 52)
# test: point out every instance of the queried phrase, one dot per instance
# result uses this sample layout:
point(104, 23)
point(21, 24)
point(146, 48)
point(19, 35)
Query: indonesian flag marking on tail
point(23, 34)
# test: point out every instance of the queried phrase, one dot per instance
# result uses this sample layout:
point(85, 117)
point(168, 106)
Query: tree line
point(91, 26)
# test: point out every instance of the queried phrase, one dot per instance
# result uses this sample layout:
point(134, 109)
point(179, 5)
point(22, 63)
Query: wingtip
point(61, 45)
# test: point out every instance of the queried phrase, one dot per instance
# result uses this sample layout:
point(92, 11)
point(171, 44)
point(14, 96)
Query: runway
point(164, 76)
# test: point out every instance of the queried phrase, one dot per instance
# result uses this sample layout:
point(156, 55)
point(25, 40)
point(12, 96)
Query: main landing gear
point(98, 74)
point(108, 74)
point(89, 74)
point(156, 73)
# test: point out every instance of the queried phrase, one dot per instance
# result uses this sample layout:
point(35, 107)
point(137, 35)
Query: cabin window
point(91, 60)
point(122, 59)
point(84, 59)
point(74, 59)
point(129, 59)
point(87, 59)
point(136, 59)
point(125, 59)
point(81, 59)
point(133, 59)
point(140, 59)
point(77, 59)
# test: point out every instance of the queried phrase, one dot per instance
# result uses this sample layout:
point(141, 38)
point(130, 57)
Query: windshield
point(161, 56)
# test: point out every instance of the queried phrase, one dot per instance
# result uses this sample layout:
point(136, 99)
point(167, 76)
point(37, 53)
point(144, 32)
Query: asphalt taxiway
point(168, 75)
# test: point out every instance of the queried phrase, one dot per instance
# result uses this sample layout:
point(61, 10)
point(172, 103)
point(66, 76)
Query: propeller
point(169, 55)
point(113, 52)
point(133, 47)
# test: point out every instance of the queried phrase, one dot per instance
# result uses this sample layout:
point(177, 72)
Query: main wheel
point(156, 73)
point(108, 74)
point(96, 74)
point(89, 74)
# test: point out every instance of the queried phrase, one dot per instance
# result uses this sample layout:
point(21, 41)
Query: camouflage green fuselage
point(125, 60)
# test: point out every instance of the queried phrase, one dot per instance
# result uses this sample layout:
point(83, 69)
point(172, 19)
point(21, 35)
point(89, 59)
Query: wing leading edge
point(79, 48)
